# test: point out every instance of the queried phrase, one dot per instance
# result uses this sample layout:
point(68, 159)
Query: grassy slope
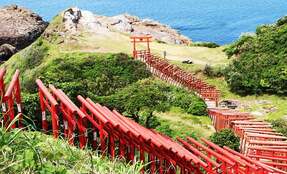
point(186, 124)
point(251, 103)
point(33, 152)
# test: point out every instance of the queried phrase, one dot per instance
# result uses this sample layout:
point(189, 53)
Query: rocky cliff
point(19, 27)
point(76, 21)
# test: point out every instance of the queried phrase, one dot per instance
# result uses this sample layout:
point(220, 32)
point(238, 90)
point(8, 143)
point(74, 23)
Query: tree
point(226, 137)
point(140, 100)
point(259, 64)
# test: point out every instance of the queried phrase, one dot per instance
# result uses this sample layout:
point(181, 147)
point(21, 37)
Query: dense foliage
point(226, 137)
point(213, 71)
point(141, 99)
point(280, 125)
point(100, 74)
point(32, 152)
point(260, 64)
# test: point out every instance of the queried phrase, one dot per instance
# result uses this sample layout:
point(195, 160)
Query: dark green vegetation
point(260, 65)
point(205, 44)
point(33, 152)
point(280, 125)
point(226, 137)
point(213, 72)
point(141, 99)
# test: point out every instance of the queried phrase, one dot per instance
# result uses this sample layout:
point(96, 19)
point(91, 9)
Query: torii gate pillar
point(140, 39)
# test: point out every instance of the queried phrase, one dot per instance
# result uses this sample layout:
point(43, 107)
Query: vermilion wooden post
point(43, 109)
point(2, 87)
point(95, 138)
point(112, 146)
point(55, 121)
point(161, 166)
point(13, 93)
point(19, 102)
point(10, 112)
point(71, 129)
point(152, 163)
point(131, 153)
point(48, 102)
point(142, 159)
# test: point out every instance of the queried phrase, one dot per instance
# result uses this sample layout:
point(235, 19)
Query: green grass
point(25, 152)
point(253, 103)
point(183, 124)
point(250, 103)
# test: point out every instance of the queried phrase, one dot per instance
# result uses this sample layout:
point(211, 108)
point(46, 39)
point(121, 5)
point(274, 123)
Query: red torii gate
point(141, 39)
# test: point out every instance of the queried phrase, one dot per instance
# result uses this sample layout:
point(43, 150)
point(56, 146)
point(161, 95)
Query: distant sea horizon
point(219, 21)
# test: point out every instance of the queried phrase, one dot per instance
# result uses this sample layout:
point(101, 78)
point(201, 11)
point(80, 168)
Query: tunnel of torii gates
point(108, 132)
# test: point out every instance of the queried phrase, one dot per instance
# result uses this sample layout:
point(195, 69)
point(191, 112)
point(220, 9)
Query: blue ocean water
point(220, 21)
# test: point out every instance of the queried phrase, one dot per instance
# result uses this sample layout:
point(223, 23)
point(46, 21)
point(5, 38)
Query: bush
point(197, 108)
point(189, 102)
point(261, 64)
point(282, 21)
point(141, 99)
point(205, 44)
point(226, 137)
point(165, 129)
point(31, 108)
point(213, 72)
point(280, 125)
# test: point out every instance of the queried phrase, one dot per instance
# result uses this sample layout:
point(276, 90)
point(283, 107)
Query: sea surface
point(220, 21)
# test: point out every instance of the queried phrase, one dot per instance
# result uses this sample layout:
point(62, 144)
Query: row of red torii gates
point(108, 132)
point(258, 140)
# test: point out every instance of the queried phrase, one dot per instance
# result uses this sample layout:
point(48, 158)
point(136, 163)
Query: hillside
point(95, 62)
point(256, 75)
point(110, 77)
point(34, 152)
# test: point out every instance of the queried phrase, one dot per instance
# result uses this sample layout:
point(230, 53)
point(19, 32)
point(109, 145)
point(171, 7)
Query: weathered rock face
point(78, 20)
point(19, 27)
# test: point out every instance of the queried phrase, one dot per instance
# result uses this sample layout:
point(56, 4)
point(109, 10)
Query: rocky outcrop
point(19, 28)
point(78, 20)
point(133, 25)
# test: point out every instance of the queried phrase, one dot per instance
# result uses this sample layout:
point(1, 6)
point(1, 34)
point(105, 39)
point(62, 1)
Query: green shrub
point(226, 137)
point(280, 125)
point(212, 71)
point(31, 108)
point(139, 100)
point(205, 44)
point(165, 129)
point(188, 101)
point(197, 108)
point(282, 21)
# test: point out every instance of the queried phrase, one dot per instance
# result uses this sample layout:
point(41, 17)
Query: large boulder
point(76, 21)
point(19, 28)
point(133, 25)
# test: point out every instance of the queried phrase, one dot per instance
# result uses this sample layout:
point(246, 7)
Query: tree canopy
point(260, 63)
